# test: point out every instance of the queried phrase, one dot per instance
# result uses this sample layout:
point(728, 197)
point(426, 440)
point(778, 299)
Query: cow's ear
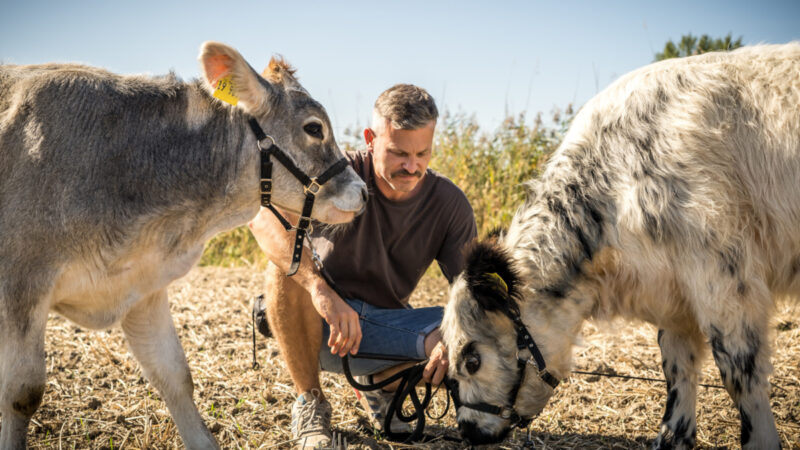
point(230, 78)
point(491, 277)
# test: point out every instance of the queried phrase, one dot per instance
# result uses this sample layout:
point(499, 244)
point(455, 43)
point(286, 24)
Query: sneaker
point(376, 404)
point(311, 421)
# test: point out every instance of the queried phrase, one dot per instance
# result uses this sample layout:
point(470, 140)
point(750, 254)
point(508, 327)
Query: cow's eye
point(472, 362)
point(313, 129)
point(472, 359)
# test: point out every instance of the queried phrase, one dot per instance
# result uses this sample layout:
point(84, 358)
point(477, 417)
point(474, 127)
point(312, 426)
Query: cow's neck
point(216, 187)
point(556, 238)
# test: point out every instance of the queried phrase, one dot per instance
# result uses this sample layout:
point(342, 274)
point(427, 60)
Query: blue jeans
point(396, 332)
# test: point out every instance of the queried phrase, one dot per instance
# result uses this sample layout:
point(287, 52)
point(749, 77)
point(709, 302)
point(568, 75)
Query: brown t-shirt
point(380, 257)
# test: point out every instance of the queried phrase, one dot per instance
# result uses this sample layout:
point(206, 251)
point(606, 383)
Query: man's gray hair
point(405, 106)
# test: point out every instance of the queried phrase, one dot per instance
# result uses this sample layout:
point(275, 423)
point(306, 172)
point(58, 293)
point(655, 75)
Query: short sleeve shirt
point(381, 256)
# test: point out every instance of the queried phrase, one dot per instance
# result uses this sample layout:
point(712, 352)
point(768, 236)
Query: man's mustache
point(404, 173)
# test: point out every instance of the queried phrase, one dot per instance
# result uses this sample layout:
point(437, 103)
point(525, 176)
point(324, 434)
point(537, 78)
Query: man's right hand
point(277, 245)
point(345, 328)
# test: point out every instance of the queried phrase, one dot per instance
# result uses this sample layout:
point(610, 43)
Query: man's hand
point(277, 246)
point(345, 328)
point(437, 365)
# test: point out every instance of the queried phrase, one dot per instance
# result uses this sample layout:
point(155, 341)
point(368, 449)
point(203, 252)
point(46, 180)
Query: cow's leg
point(22, 369)
point(680, 354)
point(741, 351)
point(153, 340)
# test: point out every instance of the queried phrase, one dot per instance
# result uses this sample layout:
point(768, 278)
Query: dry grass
point(96, 397)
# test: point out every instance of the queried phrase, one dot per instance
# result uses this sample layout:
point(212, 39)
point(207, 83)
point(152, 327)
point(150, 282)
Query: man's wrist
point(318, 286)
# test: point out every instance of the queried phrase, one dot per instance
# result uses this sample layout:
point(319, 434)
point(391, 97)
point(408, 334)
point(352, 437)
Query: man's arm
point(462, 231)
point(277, 243)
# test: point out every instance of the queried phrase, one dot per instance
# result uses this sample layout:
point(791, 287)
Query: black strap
point(526, 341)
point(311, 188)
point(409, 378)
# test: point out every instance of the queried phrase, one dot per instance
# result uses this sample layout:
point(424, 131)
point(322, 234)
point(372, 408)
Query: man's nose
point(410, 164)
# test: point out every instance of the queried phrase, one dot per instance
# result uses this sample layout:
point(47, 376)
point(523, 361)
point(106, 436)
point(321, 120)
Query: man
point(413, 217)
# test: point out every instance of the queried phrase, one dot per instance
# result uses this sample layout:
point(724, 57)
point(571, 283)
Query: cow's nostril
point(364, 194)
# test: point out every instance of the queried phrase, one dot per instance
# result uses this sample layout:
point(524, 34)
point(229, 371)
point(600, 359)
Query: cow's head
point(481, 342)
point(298, 124)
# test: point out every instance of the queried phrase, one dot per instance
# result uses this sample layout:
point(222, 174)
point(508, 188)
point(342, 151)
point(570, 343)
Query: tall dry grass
point(490, 167)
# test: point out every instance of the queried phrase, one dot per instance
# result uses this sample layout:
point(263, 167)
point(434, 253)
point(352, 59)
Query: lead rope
point(409, 378)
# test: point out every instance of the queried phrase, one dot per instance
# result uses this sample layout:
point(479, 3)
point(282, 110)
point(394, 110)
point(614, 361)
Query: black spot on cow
point(661, 97)
point(746, 361)
point(678, 190)
point(747, 427)
point(737, 387)
point(558, 290)
point(29, 400)
point(795, 268)
point(682, 82)
point(672, 400)
point(730, 261)
point(682, 428)
point(741, 288)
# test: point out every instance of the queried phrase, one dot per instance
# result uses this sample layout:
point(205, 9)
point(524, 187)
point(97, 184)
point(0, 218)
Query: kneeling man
point(413, 217)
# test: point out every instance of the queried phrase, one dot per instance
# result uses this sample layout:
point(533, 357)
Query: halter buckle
point(305, 224)
point(312, 188)
point(266, 185)
point(506, 413)
point(271, 139)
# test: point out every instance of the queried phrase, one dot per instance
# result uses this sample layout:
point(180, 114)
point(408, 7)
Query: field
point(96, 397)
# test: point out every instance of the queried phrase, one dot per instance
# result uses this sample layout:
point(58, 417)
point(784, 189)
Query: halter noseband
point(311, 187)
point(524, 342)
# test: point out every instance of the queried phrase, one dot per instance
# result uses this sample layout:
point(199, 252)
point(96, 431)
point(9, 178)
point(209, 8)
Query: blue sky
point(489, 59)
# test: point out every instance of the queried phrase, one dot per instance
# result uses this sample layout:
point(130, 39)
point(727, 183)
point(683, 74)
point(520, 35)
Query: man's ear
point(231, 79)
point(369, 136)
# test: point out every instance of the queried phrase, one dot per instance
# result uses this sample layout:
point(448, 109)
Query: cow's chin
point(336, 216)
point(474, 435)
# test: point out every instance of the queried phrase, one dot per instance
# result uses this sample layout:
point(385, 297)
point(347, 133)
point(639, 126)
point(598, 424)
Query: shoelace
point(309, 419)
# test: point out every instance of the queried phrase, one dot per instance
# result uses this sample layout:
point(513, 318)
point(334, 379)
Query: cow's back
point(84, 152)
point(701, 156)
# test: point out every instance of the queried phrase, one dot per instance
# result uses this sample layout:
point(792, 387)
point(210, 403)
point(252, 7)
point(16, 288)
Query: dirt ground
point(96, 396)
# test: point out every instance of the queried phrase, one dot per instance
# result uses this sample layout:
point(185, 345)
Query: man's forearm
point(345, 334)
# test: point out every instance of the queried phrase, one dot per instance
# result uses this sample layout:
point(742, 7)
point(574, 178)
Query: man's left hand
point(437, 365)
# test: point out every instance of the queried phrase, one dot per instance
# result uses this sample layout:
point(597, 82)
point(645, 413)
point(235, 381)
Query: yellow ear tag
point(499, 280)
point(225, 91)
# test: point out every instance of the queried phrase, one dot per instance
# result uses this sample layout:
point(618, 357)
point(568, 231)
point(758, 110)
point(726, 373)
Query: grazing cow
point(109, 187)
point(674, 199)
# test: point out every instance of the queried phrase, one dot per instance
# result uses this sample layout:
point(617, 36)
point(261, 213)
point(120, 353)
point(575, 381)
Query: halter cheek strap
point(524, 342)
point(311, 187)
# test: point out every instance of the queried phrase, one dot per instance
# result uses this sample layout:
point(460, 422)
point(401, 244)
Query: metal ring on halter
point(266, 136)
point(312, 188)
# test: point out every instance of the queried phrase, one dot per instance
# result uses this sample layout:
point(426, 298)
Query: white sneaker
point(311, 421)
point(376, 404)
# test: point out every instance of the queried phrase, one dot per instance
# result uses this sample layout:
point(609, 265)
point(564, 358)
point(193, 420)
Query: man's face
point(400, 158)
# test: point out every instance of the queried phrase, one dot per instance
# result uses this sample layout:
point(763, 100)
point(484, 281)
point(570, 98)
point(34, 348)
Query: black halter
point(525, 342)
point(311, 187)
